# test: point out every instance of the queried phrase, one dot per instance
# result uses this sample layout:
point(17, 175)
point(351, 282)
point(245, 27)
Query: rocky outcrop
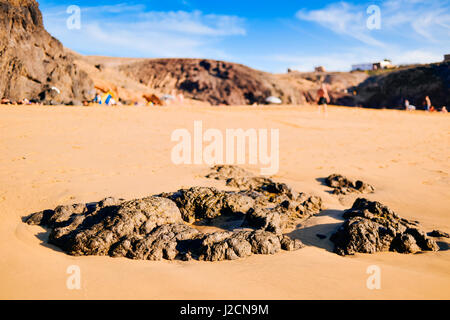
point(33, 64)
point(372, 227)
point(216, 82)
point(163, 226)
point(237, 177)
point(209, 203)
point(438, 234)
point(343, 185)
point(276, 206)
point(149, 229)
point(390, 89)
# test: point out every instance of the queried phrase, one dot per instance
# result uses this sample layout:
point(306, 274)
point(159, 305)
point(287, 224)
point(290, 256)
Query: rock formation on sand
point(276, 206)
point(438, 234)
point(169, 225)
point(372, 227)
point(33, 64)
point(163, 226)
point(343, 185)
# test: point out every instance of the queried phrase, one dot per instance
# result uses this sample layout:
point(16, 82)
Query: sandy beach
point(63, 155)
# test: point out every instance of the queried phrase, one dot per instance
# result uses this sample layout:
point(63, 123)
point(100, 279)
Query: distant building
point(385, 64)
point(446, 57)
point(319, 69)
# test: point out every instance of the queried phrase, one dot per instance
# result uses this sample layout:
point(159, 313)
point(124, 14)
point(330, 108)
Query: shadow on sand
point(43, 237)
point(319, 235)
point(443, 246)
point(323, 183)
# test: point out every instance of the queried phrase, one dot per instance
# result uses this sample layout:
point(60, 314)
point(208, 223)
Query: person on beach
point(408, 106)
point(428, 104)
point(323, 98)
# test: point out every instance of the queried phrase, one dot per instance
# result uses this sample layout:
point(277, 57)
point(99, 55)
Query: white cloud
point(193, 23)
point(344, 19)
point(417, 56)
point(306, 63)
point(412, 31)
point(116, 8)
point(427, 20)
point(136, 32)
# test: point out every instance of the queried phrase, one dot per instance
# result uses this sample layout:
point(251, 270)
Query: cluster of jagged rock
point(161, 226)
point(372, 227)
point(158, 227)
point(343, 185)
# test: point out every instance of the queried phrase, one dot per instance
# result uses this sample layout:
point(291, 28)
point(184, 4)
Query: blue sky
point(265, 34)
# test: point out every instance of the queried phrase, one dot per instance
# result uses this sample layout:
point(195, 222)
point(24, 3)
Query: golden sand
point(62, 155)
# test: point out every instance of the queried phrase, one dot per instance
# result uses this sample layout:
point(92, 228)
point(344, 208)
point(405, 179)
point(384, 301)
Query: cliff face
point(414, 84)
point(216, 82)
point(32, 62)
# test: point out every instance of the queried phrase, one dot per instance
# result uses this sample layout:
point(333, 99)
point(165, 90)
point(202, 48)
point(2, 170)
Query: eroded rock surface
point(343, 185)
point(439, 234)
point(163, 226)
point(276, 206)
point(209, 203)
point(372, 227)
point(33, 64)
point(237, 177)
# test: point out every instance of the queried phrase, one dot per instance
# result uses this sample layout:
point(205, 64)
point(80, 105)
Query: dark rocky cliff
point(414, 84)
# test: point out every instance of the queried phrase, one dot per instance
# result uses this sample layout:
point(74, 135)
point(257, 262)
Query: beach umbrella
point(273, 100)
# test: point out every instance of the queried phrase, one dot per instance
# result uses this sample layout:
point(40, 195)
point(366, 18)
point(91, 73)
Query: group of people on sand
point(6, 101)
point(428, 106)
point(323, 99)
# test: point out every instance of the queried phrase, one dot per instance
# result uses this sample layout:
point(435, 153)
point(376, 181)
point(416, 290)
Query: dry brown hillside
point(220, 82)
point(216, 82)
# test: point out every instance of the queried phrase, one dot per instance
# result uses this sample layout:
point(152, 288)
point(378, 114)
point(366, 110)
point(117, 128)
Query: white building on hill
point(385, 64)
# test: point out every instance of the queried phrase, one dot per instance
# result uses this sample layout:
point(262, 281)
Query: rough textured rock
point(343, 185)
point(372, 227)
point(438, 234)
point(209, 203)
point(233, 245)
point(289, 244)
point(276, 206)
point(96, 230)
point(278, 212)
point(156, 227)
point(237, 177)
point(168, 241)
point(33, 63)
